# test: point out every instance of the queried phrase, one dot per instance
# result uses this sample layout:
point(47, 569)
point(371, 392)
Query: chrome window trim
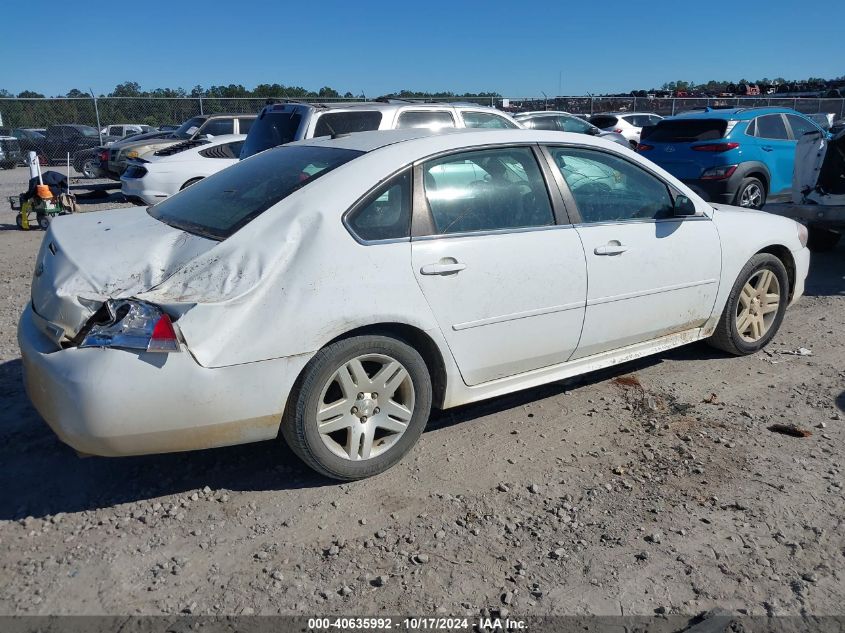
point(521, 229)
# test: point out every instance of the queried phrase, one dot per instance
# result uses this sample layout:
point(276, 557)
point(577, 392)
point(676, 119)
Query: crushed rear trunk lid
point(88, 258)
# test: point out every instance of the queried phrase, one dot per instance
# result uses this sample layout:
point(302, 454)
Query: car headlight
point(803, 234)
point(130, 324)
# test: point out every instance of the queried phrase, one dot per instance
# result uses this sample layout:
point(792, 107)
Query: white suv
point(282, 123)
point(628, 124)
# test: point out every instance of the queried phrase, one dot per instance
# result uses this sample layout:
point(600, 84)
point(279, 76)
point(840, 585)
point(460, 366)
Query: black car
point(61, 140)
point(28, 140)
point(10, 152)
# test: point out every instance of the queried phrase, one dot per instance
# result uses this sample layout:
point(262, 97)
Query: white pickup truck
point(818, 189)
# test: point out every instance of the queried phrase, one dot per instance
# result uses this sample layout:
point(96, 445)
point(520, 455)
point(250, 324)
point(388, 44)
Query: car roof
point(739, 114)
point(617, 114)
point(448, 138)
point(385, 106)
point(532, 113)
point(223, 138)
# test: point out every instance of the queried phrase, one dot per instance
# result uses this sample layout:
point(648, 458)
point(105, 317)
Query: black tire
point(820, 240)
point(192, 181)
point(44, 221)
point(726, 337)
point(299, 425)
point(19, 221)
point(748, 187)
point(8, 165)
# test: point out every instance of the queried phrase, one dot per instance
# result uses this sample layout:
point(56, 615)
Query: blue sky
point(375, 47)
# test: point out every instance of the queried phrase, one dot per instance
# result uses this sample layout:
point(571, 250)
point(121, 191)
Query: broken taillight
point(163, 338)
point(131, 324)
point(642, 147)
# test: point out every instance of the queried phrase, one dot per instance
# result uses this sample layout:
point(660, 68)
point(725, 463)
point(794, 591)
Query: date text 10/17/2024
point(415, 624)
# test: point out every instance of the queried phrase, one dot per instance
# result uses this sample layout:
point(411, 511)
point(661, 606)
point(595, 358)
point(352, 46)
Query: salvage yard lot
point(652, 487)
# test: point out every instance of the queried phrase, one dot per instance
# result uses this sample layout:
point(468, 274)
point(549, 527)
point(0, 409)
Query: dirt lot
point(655, 488)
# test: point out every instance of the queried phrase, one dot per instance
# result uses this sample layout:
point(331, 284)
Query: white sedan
point(159, 174)
point(332, 290)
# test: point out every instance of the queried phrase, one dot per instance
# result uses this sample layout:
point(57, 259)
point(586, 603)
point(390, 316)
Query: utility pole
point(97, 114)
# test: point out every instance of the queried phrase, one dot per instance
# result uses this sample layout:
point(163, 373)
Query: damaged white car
point(332, 291)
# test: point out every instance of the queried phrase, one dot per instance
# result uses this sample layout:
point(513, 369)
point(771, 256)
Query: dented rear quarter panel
point(294, 278)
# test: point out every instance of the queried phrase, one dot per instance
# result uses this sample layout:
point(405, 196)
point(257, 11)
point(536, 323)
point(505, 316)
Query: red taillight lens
point(642, 147)
point(715, 147)
point(104, 156)
point(163, 338)
point(618, 130)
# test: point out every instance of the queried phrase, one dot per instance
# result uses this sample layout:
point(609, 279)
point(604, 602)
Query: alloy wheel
point(758, 305)
point(751, 197)
point(365, 407)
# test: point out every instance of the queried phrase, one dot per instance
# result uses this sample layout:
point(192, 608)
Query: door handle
point(767, 148)
point(442, 269)
point(611, 248)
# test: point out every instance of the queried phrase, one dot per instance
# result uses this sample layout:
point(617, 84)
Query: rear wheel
point(19, 221)
point(359, 407)
point(751, 194)
point(44, 221)
point(89, 168)
point(820, 240)
point(755, 307)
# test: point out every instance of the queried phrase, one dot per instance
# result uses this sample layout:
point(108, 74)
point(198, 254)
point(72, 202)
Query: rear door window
point(800, 126)
point(486, 190)
point(687, 130)
point(771, 126)
point(244, 125)
point(432, 119)
point(541, 123)
point(347, 122)
point(603, 121)
point(486, 120)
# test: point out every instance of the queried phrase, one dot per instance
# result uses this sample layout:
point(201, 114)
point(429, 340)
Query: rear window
point(347, 122)
point(217, 206)
point(433, 120)
point(686, 130)
point(270, 130)
point(603, 121)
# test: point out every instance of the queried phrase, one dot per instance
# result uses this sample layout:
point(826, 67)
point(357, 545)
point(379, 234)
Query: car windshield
point(84, 130)
point(189, 127)
point(270, 130)
point(686, 130)
point(603, 121)
point(217, 206)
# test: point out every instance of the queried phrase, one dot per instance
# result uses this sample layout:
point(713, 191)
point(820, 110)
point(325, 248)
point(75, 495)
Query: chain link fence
point(157, 111)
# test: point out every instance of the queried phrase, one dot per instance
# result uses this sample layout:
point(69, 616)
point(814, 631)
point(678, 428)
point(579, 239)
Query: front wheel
point(751, 194)
point(755, 307)
point(359, 407)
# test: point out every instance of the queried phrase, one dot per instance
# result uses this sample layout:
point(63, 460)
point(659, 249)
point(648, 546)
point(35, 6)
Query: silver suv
point(282, 123)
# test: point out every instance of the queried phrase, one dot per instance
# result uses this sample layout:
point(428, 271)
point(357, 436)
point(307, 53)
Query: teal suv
point(739, 156)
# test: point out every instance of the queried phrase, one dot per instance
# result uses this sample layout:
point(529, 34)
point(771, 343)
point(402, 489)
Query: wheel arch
point(788, 261)
point(420, 341)
point(758, 170)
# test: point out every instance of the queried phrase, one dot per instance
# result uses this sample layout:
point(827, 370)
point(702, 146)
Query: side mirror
point(683, 206)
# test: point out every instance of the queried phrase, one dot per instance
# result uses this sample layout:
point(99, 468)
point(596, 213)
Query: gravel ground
point(654, 488)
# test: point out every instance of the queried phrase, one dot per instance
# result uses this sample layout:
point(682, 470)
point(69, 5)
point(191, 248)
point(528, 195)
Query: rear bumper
point(149, 188)
point(718, 191)
point(115, 402)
